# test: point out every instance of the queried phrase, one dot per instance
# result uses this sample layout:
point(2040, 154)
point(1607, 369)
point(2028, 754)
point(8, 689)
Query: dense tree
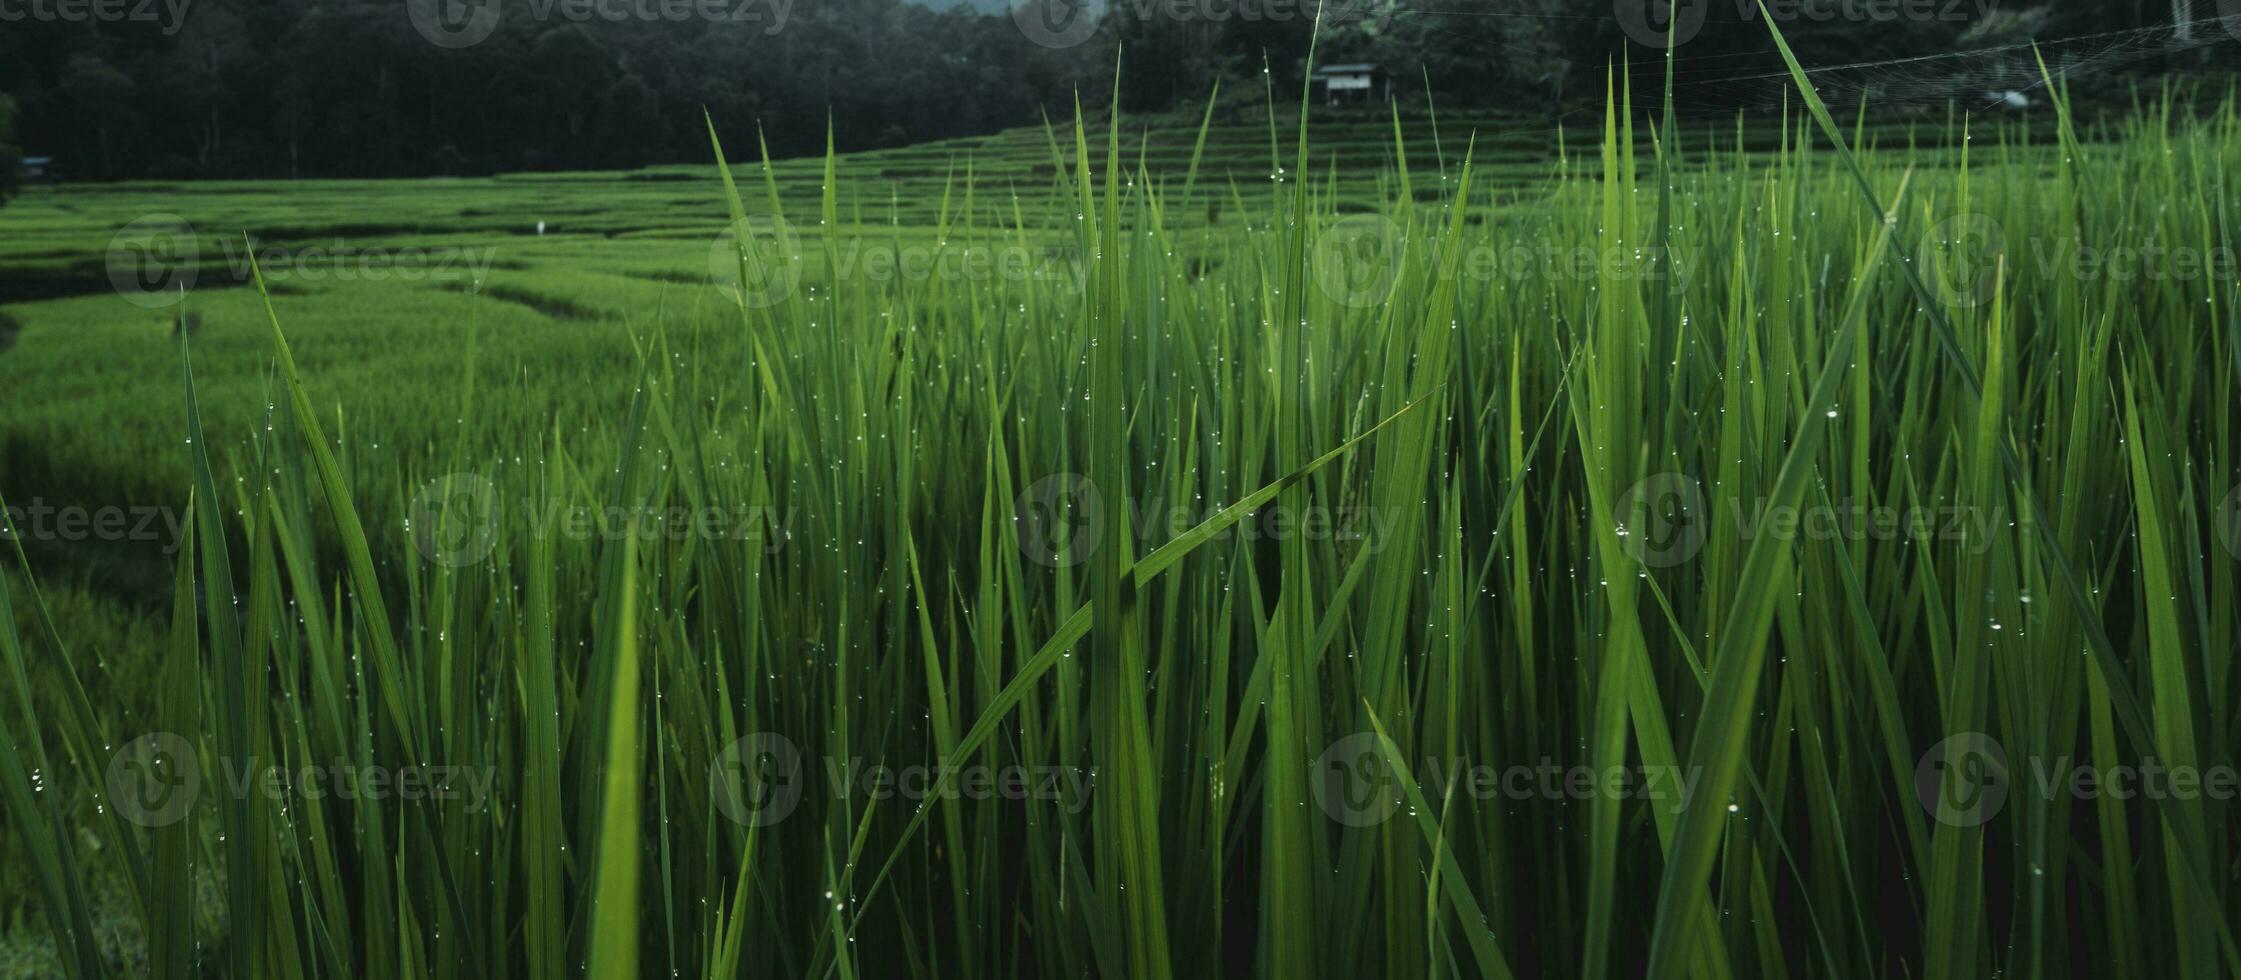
point(353, 88)
point(11, 158)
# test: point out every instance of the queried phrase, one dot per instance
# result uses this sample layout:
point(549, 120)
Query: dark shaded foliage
point(11, 157)
point(341, 88)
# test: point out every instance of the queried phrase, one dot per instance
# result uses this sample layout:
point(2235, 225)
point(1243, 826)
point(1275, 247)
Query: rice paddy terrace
point(1479, 389)
point(556, 273)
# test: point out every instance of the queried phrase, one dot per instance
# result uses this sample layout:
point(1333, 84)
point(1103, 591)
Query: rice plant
point(1745, 557)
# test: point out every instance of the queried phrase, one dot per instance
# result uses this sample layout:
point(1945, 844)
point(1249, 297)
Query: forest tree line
point(353, 88)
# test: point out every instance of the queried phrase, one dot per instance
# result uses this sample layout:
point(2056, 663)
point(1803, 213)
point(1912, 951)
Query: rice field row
point(1712, 555)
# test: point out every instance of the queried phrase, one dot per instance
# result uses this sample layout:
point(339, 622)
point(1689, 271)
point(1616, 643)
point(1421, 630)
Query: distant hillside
point(983, 6)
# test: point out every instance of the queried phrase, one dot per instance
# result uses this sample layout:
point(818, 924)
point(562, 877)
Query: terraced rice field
point(1372, 549)
point(384, 275)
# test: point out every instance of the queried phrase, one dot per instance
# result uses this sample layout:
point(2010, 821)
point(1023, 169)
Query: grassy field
point(384, 276)
point(1682, 550)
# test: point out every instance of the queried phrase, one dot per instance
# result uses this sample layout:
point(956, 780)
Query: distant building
point(41, 169)
point(1363, 83)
